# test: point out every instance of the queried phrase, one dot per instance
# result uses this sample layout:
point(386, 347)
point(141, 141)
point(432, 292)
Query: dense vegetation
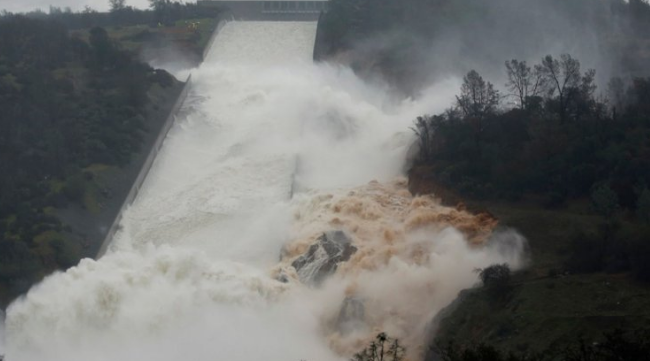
point(611, 346)
point(614, 346)
point(162, 12)
point(76, 104)
point(66, 106)
point(559, 142)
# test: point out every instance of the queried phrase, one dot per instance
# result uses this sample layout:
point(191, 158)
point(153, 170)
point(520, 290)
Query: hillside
point(552, 149)
point(80, 113)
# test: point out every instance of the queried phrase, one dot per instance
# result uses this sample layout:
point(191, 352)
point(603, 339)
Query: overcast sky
point(29, 5)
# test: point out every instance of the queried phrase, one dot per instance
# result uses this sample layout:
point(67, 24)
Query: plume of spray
point(2, 333)
point(272, 151)
point(413, 256)
point(424, 41)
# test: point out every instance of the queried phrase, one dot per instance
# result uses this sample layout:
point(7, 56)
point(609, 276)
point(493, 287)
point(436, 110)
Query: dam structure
point(287, 10)
point(277, 171)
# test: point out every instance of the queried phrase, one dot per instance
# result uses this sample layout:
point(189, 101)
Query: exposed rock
point(323, 257)
point(351, 316)
point(282, 277)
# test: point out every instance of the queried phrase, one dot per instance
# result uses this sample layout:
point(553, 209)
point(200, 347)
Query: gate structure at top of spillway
point(286, 10)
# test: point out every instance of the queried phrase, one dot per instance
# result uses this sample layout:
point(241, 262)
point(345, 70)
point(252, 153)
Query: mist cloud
point(249, 169)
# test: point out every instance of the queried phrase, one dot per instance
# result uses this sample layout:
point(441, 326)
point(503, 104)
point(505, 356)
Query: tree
point(478, 98)
point(162, 9)
point(477, 101)
point(102, 47)
point(613, 346)
point(425, 128)
point(383, 348)
point(117, 5)
point(562, 76)
point(524, 82)
point(480, 352)
point(158, 4)
point(496, 277)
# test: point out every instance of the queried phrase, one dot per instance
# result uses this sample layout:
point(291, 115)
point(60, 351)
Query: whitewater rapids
point(272, 151)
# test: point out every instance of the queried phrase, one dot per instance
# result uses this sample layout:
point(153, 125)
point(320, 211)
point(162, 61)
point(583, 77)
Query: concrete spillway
point(232, 155)
point(271, 151)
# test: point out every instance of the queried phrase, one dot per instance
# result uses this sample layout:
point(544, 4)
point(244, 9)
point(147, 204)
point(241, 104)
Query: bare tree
point(478, 98)
point(524, 82)
point(159, 4)
point(383, 348)
point(117, 5)
point(563, 77)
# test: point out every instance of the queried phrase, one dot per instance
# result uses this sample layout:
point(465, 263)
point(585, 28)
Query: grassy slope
point(547, 308)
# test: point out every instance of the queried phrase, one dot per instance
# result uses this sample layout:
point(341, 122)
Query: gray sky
point(29, 5)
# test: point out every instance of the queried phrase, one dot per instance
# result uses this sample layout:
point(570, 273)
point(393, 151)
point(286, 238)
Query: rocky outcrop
point(352, 315)
point(323, 257)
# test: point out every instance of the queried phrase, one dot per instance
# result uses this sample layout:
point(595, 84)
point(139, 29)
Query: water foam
point(272, 151)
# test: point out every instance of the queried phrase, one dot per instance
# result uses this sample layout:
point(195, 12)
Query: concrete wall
point(146, 167)
point(222, 19)
point(155, 149)
point(321, 48)
point(270, 10)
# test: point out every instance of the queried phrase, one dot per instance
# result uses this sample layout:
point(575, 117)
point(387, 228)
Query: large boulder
point(323, 257)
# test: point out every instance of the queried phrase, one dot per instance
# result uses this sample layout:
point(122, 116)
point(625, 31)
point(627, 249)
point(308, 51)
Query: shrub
point(383, 348)
point(75, 188)
point(496, 276)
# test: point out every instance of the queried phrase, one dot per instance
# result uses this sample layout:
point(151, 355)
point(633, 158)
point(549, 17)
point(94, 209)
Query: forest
point(161, 12)
point(76, 105)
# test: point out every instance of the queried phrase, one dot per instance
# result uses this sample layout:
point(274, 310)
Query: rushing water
point(271, 152)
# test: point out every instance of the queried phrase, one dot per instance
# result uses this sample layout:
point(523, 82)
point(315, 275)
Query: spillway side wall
point(222, 19)
point(146, 167)
point(320, 46)
point(157, 145)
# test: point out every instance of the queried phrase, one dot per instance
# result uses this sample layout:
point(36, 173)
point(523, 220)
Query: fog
point(429, 40)
point(272, 151)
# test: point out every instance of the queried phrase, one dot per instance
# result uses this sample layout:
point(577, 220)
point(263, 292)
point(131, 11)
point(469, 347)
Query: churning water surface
point(271, 152)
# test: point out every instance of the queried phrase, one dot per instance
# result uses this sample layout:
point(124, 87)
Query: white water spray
point(272, 151)
point(2, 334)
